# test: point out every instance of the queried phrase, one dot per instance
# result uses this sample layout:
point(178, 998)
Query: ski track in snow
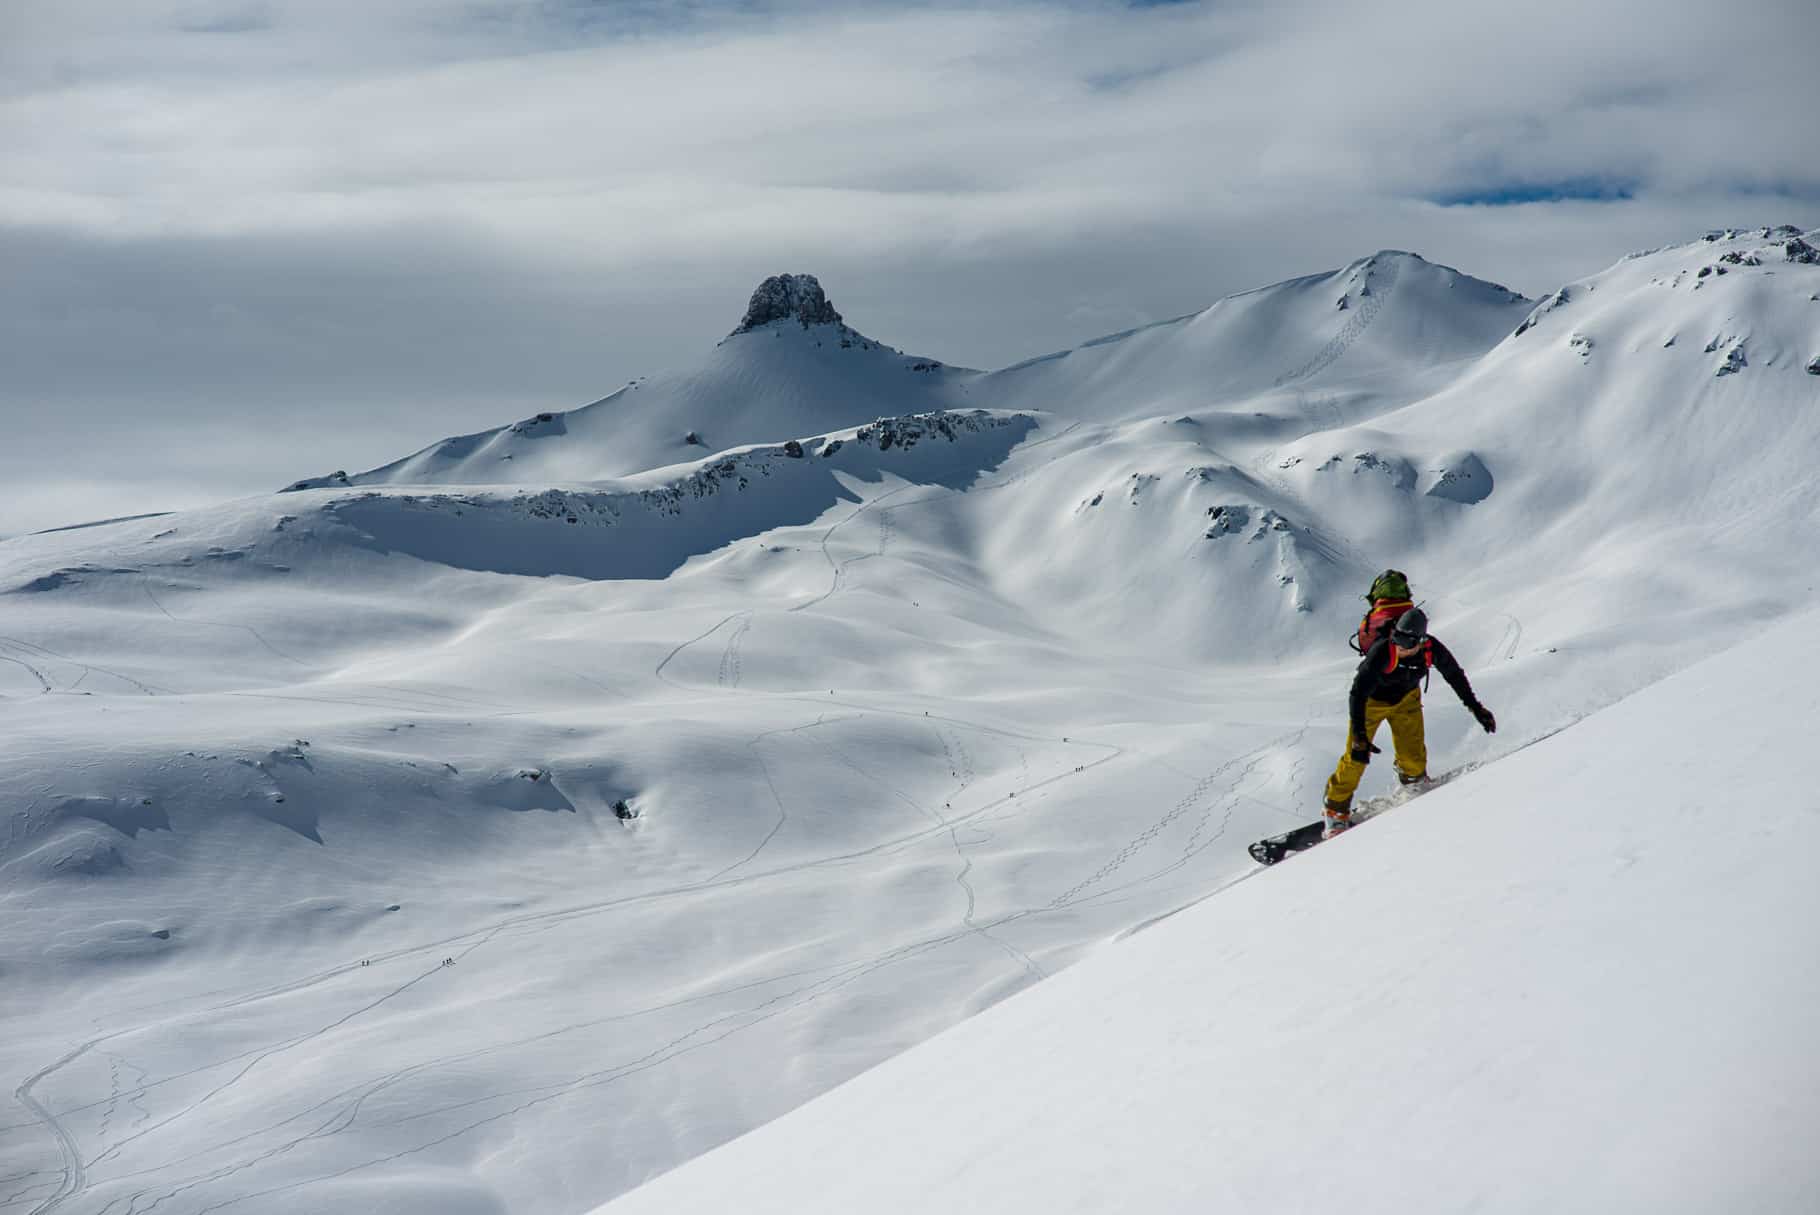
point(1514, 636)
point(698, 1037)
point(283, 1047)
point(729, 674)
point(87, 668)
point(345, 1115)
point(1356, 323)
point(839, 568)
point(1246, 764)
point(783, 811)
point(146, 586)
point(75, 1171)
point(43, 683)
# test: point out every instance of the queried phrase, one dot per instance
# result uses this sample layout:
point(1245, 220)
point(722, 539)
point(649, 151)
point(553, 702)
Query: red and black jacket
point(1387, 677)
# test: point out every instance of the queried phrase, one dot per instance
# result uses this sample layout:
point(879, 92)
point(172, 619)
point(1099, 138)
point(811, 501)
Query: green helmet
point(1391, 584)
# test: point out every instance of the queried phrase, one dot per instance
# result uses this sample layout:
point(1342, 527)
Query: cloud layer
point(431, 216)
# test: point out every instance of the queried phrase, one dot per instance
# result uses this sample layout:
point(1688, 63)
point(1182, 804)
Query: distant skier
point(1388, 687)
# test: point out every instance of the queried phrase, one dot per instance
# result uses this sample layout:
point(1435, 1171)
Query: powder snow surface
point(508, 826)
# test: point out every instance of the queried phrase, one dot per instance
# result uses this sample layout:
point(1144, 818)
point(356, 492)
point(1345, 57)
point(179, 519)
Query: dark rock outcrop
point(789, 297)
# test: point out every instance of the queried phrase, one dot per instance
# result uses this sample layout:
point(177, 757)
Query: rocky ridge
point(789, 297)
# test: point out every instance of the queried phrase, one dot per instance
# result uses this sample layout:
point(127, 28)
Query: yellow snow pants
point(1405, 718)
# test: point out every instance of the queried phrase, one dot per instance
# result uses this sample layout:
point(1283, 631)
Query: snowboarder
point(1388, 687)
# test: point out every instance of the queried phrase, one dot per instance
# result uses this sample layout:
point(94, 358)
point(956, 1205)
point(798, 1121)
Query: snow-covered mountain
point(508, 825)
point(792, 368)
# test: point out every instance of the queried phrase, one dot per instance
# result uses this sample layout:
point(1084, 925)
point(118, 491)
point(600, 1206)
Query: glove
point(1363, 751)
point(1485, 718)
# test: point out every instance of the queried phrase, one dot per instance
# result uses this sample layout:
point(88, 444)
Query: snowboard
point(1273, 849)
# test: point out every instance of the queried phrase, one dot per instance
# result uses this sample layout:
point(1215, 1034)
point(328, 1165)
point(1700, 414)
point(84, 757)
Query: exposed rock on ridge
point(786, 297)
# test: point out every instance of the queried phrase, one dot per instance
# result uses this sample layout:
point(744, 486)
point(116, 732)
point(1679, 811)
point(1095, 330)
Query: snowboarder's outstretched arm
point(1456, 679)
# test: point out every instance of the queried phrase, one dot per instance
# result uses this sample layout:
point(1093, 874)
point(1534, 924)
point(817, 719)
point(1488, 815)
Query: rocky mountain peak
point(787, 297)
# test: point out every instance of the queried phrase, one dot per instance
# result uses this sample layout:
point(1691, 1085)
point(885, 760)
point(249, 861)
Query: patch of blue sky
point(1519, 193)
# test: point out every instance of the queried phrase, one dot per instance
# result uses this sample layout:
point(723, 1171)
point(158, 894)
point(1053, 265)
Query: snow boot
point(1420, 778)
point(1338, 817)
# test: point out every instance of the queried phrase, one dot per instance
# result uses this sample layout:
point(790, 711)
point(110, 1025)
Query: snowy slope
point(725, 777)
point(1331, 343)
point(1578, 980)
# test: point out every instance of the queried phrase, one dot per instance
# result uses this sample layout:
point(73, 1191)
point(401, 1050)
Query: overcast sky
point(244, 241)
